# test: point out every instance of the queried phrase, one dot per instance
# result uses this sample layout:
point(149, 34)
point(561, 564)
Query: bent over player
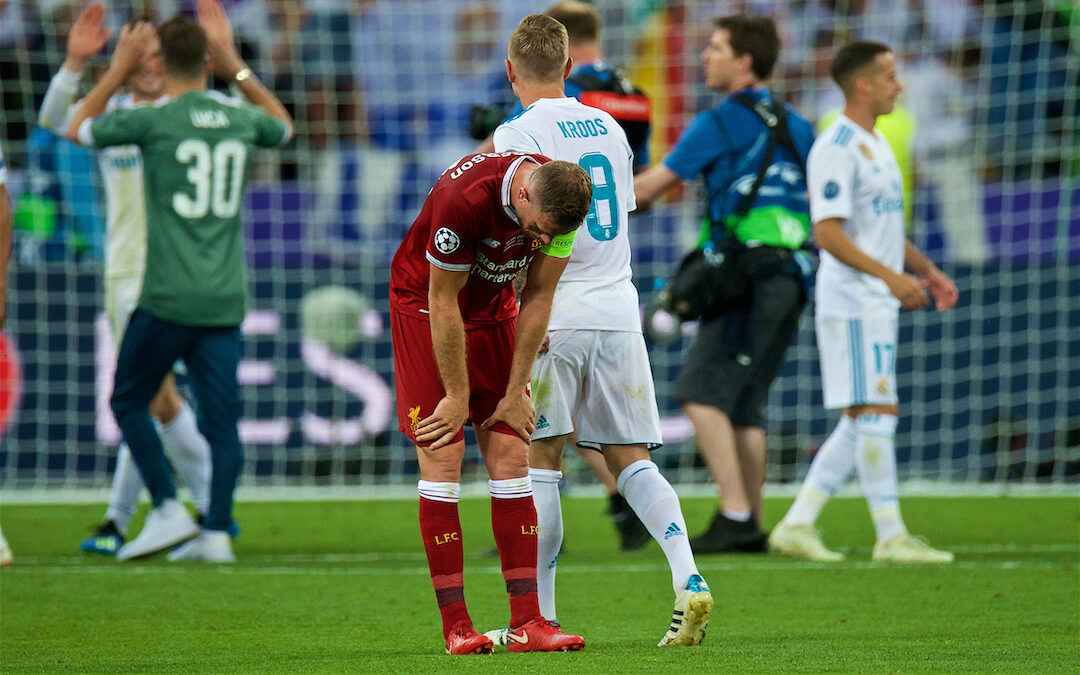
point(462, 352)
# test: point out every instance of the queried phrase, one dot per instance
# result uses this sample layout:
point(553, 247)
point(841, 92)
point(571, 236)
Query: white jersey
point(122, 175)
point(852, 175)
point(595, 291)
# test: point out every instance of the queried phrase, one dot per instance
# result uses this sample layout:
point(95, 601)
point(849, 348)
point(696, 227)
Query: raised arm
point(125, 61)
point(229, 66)
point(829, 236)
point(87, 37)
point(515, 408)
point(448, 341)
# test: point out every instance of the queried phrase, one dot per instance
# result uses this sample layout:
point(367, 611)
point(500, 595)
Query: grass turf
point(343, 587)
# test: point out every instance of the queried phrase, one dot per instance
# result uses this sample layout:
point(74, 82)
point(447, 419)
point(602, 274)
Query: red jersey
point(467, 224)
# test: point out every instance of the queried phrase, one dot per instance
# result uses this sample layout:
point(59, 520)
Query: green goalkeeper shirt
point(196, 153)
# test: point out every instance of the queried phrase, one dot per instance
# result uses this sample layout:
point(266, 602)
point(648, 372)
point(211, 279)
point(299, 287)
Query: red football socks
point(513, 520)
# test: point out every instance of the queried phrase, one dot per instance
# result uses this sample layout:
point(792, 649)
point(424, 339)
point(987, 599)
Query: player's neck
point(740, 83)
point(861, 116)
point(530, 94)
point(176, 87)
point(587, 53)
point(143, 97)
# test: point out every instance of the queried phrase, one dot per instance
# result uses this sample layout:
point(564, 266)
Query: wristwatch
point(242, 74)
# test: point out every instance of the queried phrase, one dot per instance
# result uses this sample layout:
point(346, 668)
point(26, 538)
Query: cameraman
point(740, 347)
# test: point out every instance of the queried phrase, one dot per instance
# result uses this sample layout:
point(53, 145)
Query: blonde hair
point(539, 49)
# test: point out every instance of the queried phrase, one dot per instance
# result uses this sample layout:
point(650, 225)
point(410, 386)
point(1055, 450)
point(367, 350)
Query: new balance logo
point(673, 530)
point(542, 423)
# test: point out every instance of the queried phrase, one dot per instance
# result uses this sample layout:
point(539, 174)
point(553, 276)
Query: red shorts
point(489, 351)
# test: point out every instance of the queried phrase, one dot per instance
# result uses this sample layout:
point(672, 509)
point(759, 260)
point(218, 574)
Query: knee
point(509, 462)
point(123, 404)
point(618, 457)
point(547, 453)
point(166, 405)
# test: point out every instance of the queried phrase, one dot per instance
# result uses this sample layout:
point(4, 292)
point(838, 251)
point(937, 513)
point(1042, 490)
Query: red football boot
point(541, 635)
point(465, 640)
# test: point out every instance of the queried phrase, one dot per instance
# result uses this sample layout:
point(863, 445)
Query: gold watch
point(242, 74)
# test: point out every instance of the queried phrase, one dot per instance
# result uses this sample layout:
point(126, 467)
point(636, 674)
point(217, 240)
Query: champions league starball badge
point(446, 240)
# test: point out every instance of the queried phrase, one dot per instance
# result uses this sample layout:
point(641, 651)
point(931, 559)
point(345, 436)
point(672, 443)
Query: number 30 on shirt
point(216, 174)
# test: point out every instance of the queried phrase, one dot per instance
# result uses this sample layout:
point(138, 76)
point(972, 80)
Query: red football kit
point(466, 224)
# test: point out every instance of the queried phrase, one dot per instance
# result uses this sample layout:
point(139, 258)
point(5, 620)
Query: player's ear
point(569, 67)
point(510, 76)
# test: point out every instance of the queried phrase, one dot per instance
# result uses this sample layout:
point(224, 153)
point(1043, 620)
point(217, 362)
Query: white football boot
point(210, 546)
point(801, 541)
point(166, 526)
point(691, 616)
point(904, 548)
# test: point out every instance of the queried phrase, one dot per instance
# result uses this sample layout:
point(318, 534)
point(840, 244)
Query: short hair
point(539, 49)
point(581, 20)
point(183, 47)
point(564, 193)
point(852, 59)
point(753, 35)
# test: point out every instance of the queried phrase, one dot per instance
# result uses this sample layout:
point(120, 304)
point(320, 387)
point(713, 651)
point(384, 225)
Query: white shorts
point(121, 299)
point(858, 360)
point(599, 383)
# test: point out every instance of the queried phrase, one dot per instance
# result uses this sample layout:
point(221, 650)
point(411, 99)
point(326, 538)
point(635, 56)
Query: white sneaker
point(210, 546)
point(801, 541)
point(5, 553)
point(905, 548)
point(691, 616)
point(498, 636)
point(166, 526)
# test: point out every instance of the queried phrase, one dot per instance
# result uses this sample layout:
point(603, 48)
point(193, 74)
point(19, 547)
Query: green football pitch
point(339, 586)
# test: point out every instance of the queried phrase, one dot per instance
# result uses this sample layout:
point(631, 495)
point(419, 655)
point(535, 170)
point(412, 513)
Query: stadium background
point(381, 91)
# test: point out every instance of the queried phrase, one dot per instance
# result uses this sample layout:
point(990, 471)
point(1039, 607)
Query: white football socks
point(190, 455)
point(832, 465)
point(126, 485)
point(545, 486)
point(875, 459)
point(656, 504)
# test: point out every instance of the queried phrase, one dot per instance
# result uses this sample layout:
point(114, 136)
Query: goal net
point(382, 90)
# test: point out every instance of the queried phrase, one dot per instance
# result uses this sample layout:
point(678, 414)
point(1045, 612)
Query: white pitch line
point(566, 568)
point(418, 556)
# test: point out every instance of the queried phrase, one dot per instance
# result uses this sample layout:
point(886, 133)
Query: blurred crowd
point(382, 89)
